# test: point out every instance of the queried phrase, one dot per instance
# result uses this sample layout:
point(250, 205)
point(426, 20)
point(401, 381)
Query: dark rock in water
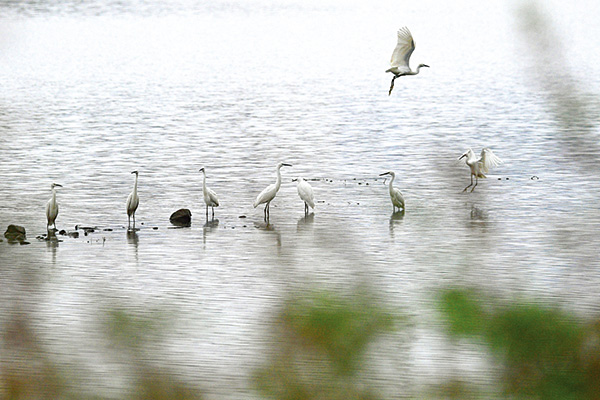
point(62, 232)
point(87, 230)
point(155, 228)
point(15, 233)
point(181, 217)
point(74, 235)
point(242, 216)
point(107, 229)
point(24, 242)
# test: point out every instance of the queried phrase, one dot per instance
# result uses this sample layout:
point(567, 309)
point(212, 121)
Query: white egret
point(401, 56)
point(305, 191)
point(133, 201)
point(210, 197)
point(480, 166)
point(270, 191)
point(52, 207)
point(395, 194)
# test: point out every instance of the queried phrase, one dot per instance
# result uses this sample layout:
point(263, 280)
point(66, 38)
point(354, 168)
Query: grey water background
point(93, 90)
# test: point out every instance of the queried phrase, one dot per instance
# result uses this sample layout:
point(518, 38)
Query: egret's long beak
point(425, 65)
point(134, 172)
point(56, 184)
point(286, 165)
point(464, 155)
point(385, 173)
point(201, 169)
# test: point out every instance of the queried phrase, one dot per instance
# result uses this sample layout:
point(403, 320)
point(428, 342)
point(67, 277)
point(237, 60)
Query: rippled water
point(93, 90)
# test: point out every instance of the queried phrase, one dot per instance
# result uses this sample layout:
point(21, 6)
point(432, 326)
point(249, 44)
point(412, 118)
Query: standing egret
point(480, 166)
point(270, 191)
point(210, 197)
point(133, 201)
point(401, 56)
point(395, 194)
point(305, 192)
point(52, 207)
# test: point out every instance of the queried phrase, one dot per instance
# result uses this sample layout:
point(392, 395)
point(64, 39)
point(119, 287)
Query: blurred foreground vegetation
point(543, 351)
point(317, 350)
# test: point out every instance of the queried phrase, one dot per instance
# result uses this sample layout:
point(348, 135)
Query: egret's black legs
point(305, 208)
point(465, 189)
point(475, 183)
point(392, 85)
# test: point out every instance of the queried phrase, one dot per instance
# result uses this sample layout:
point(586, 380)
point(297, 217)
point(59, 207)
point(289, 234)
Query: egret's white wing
point(306, 193)
point(403, 50)
point(488, 160)
point(51, 211)
point(266, 195)
point(213, 198)
point(397, 198)
point(132, 203)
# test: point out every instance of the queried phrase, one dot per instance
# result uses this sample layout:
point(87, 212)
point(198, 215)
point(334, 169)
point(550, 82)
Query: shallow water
point(91, 91)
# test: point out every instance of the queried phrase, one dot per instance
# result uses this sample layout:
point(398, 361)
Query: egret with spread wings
point(480, 166)
point(401, 56)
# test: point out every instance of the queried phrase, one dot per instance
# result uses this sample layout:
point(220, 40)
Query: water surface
point(91, 91)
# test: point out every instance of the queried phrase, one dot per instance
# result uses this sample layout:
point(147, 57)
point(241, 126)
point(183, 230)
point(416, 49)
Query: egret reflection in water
point(395, 220)
point(305, 222)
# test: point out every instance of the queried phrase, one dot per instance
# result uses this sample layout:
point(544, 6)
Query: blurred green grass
point(544, 352)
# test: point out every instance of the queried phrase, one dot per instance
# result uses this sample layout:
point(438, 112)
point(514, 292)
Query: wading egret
point(401, 56)
point(270, 191)
point(133, 201)
point(305, 192)
point(480, 166)
point(210, 197)
point(52, 207)
point(395, 195)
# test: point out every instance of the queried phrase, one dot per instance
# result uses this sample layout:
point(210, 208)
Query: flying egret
point(480, 166)
point(133, 201)
point(395, 194)
point(270, 191)
point(210, 197)
point(305, 192)
point(401, 56)
point(52, 207)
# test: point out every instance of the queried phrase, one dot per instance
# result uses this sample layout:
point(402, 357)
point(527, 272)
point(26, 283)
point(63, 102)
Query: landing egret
point(401, 56)
point(133, 201)
point(52, 207)
point(480, 166)
point(395, 194)
point(270, 191)
point(210, 197)
point(305, 192)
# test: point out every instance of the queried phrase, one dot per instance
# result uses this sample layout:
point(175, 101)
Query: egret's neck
point(135, 184)
point(204, 180)
point(417, 71)
point(278, 183)
point(391, 182)
point(54, 195)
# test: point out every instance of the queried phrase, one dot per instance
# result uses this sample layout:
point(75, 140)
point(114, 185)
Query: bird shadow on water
point(396, 219)
point(133, 238)
point(268, 227)
point(305, 222)
point(52, 243)
point(209, 227)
